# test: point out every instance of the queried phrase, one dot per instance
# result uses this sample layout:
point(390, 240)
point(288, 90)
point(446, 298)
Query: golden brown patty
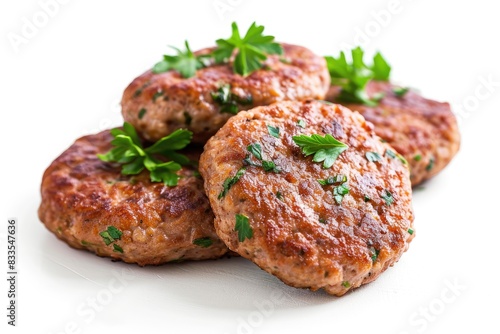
point(157, 104)
point(424, 131)
point(300, 232)
point(84, 197)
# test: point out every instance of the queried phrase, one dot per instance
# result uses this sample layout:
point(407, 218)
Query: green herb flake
point(203, 242)
point(346, 284)
point(110, 235)
point(387, 197)
point(270, 166)
point(339, 192)
point(322, 220)
point(256, 150)
point(252, 49)
point(332, 180)
point(279, 195)
point(417, 157)
point(430, 165)
point(374, 254)
point(141, 113)
point(410, 231)
point(400, 91)
point(367, 199)
point(243, 227)
point(188, 118)
point(228, 101)
point(231, 181)
point(373, 156)
point(117, 249)
point(128, 151)
point(326, 149)
point(273, 131)
point(390, 153)
point(157, 95)
point(301, 123)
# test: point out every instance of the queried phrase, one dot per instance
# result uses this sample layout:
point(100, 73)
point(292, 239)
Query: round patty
point(87, 203)
point(424, 131)
point(157, 104)
point(301, 233)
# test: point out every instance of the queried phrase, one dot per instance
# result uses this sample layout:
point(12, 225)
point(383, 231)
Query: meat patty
point(90, 205)
point(424, 131)
point(301, 233)
point(157, 104)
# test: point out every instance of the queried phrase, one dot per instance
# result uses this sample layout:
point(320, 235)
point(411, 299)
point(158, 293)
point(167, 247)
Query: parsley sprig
point(252, 49)
point(185, 62)
point(129, 152)
point(325, 149)
point(353, 77)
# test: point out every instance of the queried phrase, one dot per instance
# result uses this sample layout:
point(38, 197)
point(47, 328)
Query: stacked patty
point(424, 131)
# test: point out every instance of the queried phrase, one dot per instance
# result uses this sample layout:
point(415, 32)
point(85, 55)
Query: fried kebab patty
point(301, 234)
point(85, 200)
point(424, 131)
point(157, 104)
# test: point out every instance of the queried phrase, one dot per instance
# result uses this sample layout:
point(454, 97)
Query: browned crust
point(414, 126)
point(187, 103)
point(82, 196)
point(289, 240)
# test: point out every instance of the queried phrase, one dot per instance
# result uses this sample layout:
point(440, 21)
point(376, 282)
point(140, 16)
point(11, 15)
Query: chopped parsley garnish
point(418, 157)
point(243, 228)
point(256, 150)
point(157, 95)
point(353, 77)
point(134, 158)
point(301, 123)
point(430, 165)
point(203, 242)
point(367, 199)
point(231, 181)
point(141, 113)
point(185, 62)
point(387, 197)
point(373, 156)
point(325, 149)
point(110, 235)
point(228, 101)
point(346, 284)
point(375, 253)
point(333, 179)
point(273, 131)
point(391, 154)
point(279, 195)
point(188, 118)
point(117, 248)
point(322, 220)
point(339, 192)
point(410, 231)
point(252, 49)
point(400, 91)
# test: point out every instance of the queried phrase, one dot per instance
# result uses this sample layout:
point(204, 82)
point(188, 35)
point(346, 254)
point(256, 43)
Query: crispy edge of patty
point(157, 104)
point(82, 196)
point(290, 240)
point(424, 131)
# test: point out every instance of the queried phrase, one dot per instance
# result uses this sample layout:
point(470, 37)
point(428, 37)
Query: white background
point(67, 78)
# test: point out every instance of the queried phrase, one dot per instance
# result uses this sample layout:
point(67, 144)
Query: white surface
point(67, 80)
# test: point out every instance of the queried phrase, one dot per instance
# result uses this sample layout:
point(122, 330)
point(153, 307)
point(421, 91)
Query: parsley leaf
point(381, 69)
point(117, 248)
point(346, 284)
point(228, 101)
point(141, 113)
point(256, 150)
point(374, 254)
point(134, 158)
point(353, 77)
point(326, 149)
point(273, 131)
point(110, 235)
point(410, 231)
point(373, 156)
point(243, 228)
point(339, 192)
point(430, 165)
point(185, 62)
point(231, 181)
point(390, 153)
point(333, 179)
point(301, 123)
point(418, 157)
point(203, 242)
point(252, 49)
